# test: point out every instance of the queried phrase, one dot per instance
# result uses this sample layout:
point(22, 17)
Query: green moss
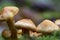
point(6, 3)
point(49, 15)
point(54, 36)
point(1, 38)
point(47, 38)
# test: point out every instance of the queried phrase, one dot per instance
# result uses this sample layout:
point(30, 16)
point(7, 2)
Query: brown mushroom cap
point(12, 9)
point(25, 24)
point(47, 26)
point(8, 12)
point(6, 33)
point(7, 15)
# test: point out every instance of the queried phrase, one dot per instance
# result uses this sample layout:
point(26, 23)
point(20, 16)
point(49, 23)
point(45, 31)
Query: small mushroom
point(7, 14)
point(19, 33)
point(47, 26)
point(25, 25)
point(57, 22)
point(35, 34)
point(6, 33)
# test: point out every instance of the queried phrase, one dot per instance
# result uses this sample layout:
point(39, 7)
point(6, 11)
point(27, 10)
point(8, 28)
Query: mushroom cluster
point(24, 26)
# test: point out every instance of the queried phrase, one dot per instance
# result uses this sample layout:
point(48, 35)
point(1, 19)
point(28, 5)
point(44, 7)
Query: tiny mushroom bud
point(47, 26)
point(25, 25)
point(19, 33)
point(6, 34)
point(57, 22)
point(35, 34)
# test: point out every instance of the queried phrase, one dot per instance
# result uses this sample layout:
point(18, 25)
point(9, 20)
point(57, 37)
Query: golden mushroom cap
point(12, 9)
point(47, 26)
point(26, 24)
point(8, 12)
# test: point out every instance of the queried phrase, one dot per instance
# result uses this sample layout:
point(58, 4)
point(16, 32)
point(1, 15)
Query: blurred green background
point(19, 3)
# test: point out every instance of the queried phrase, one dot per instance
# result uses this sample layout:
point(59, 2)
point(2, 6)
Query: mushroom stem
point(25, 31)
point(12, 28)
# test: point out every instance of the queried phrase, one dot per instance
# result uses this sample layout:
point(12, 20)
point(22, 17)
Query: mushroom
point(47, 26)
point(7, 14)
point(26, 25)
point(35, 34)
point(57, 22)
point(6, 34)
